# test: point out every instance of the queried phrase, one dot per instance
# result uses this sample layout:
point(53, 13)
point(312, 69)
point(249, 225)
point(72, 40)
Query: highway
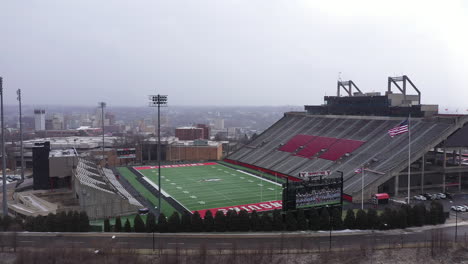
point(309, 241)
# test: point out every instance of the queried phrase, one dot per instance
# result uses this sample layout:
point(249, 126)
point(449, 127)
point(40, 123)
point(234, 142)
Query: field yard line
point(156, 186)
point(164, 193)
point(270, 181)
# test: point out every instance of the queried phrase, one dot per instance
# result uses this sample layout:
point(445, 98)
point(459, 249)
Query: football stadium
point(206, 186)
point(377, 143)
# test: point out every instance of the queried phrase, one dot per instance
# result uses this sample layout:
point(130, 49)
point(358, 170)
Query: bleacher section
point(304, 142)
point(340, 148)
point(315, 146)
point(100, 193)
point(296, 142)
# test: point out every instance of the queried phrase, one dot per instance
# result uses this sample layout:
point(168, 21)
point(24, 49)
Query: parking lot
point(458, 199)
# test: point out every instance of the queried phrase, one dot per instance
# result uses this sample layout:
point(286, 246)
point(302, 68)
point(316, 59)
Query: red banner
point(259, 207)
point(176, 166)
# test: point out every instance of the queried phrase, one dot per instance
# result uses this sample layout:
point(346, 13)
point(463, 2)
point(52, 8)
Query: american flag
point(400, 129)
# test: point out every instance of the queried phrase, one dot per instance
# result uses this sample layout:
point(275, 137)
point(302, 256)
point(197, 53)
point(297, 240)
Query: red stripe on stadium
point(259, 207)
point(176, 166)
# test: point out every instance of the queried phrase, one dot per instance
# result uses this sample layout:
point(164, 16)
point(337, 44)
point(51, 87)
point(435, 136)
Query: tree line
point(71, 221)
point(312, 219)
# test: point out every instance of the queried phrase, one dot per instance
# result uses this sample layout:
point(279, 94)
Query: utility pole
point(5, 206)
point(18, 92)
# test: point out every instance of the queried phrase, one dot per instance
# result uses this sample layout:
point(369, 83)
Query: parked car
point(427, 195)
point(441, 195)
point(420, 198)
point(460, 208)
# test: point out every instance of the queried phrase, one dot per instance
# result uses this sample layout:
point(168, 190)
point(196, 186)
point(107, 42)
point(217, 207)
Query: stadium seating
point(301, 142)
point(87, 173)
point(296, 142)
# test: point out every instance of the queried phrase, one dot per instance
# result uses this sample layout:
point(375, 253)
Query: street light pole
point(5, 206)
point(158, 101)
point(456, 225)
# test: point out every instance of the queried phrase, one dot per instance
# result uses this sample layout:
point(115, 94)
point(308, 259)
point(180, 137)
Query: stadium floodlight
point(18, 92)
point(158, 101)
point(5, 206)
point(102, 105)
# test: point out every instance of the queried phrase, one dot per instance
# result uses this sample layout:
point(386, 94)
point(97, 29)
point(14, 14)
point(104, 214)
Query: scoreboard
point(126, 153)
point(315, 192)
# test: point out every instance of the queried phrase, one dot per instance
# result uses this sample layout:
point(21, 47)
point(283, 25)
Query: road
point(250, 241)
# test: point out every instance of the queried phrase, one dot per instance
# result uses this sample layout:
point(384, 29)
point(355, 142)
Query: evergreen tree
point(434, 213)
point(402, 214)
point(442, 217)
point(410, 215)
point(6, 222)
point(118, 225)
point(174, 223)
point(337, 220)
point(419, 212)
point(291, 221)
point(69, 222)
point(197, 222)
point(314, 219)
point(277, 220)
point(186, 222)
point(208, 221)
point(350, 219)
point(106, 225)
point(39, 224)
point(361, 219)
point(29, 224)
point(301, 220)
point(386, 219)
point(61, 222)
point(150, 223)
point(255, 222)
point(139, 224)
point(127, 227)
point(243, 221)
point(50, 222)
point(372, 218)
point(220, 222)
point(325, 219)
point(84, 222)
point(266, 222)
point(162, 223)
point(231, 224)
point(75, 222)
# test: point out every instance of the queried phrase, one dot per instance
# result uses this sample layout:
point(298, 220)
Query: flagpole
point(409, 156)
point(362, 188)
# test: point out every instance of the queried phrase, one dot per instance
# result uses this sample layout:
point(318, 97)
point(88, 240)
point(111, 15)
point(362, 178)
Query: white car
point(420, 198)
point(458, 208)
point(441, 195)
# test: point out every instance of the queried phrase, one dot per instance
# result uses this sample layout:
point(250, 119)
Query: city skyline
point(219, 53)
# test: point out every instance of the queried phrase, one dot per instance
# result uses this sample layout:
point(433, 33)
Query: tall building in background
point(219, 123)
point(189, 133)
point(206, 130)
point(39, 119)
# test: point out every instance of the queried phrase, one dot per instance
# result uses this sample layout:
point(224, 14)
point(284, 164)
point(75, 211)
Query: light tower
point(5, 206)
point(102, 105)
point(18, 92)
point(158, 101)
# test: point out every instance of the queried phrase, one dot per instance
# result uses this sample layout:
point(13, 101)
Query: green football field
point(211, 185)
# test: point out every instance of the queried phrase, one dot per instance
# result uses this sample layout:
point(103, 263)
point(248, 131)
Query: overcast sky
point(229, 52)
